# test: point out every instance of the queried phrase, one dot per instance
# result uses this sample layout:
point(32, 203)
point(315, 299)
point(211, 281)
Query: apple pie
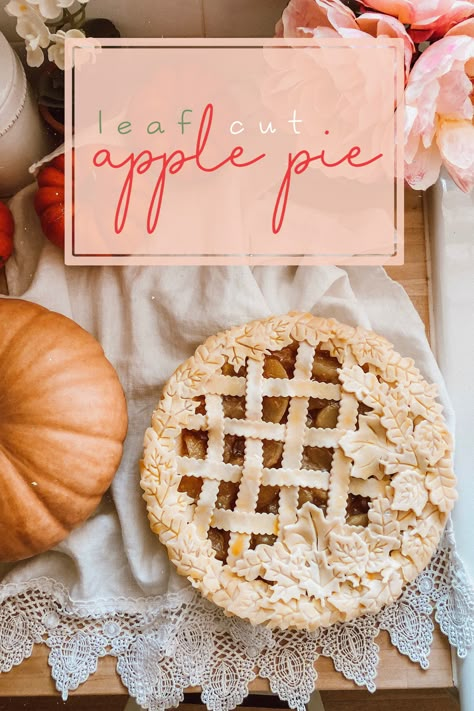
point(299, 471)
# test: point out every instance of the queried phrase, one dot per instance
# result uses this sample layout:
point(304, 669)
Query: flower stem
point(69, 20)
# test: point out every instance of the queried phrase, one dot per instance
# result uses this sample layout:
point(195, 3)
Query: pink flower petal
point(279, 28)
point(428, 18)
point(463, 28)
point(438, 95)
point(338, 14)
point(419, 36)
point(402, 9)
point(456, 144)
point(433, 71)
point(454, 97)
point(314, 14)
point(440, 15)
point(379, 25)
point(424, 170)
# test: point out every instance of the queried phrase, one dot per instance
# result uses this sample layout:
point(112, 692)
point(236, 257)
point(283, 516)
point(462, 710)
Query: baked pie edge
point(310, 587)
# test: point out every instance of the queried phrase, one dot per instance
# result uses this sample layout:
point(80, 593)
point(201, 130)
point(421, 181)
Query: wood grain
point(32, 678)
point(413, 275)
point(423, 700)
point(395, 700)
point(426, 700)
point(3, 281)
point(74, 703)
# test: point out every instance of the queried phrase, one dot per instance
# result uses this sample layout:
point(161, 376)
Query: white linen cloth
point(96, 592)
point(150, 319)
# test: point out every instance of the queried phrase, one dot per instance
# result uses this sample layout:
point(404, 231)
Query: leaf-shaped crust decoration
point(381, 518)
point(347, 600)
point(172, 415)
point(431, 440)
point(381, 592)
point(250, 566)
point(167, 487)
point(320, 580)
point(311, 529)
point(441, 484)
point(430, 514)
point(349, 554)
point(193, 372)
point(368, 447)
point(380, 548)
point(418, 544)
point(304, 328)
point(284, 570)
point(423, 400)
point(365, 386)
point(320, 570)
point(278, 333)
point(249, 342)
point(190, 561)
point(398, 369)
point(410, 491)
point(369, 347)
point(396, 421)
point(338, 345)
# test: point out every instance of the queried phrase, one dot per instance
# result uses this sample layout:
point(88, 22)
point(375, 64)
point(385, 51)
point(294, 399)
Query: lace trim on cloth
point(165, 644)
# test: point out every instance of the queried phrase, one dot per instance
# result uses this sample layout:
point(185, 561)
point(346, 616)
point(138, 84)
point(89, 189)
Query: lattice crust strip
point(322, 495)
point(210, 487)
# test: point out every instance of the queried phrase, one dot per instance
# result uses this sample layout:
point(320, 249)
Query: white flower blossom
point(51, 9)
point(31, 27)
point(56, 51)
point(48, 9)
point(17, 8)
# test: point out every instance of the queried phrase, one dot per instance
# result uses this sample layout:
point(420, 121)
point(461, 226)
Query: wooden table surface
point(32, 678)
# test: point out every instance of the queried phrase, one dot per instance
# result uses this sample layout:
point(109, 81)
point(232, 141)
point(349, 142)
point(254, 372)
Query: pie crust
point(299, 471)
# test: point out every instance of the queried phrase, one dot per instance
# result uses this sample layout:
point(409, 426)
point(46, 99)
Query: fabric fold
point(149, 320)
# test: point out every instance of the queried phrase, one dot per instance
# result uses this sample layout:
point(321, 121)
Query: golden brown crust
point(391, 456)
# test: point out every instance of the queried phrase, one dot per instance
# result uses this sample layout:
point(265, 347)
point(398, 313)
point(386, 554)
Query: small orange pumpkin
point(63, 419)
point(7, 228)
point(49, 200)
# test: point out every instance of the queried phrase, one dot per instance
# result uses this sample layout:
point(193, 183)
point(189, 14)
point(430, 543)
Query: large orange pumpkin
point(63, 420)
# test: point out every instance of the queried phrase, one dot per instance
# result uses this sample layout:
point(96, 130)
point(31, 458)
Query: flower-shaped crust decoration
point(299, 471)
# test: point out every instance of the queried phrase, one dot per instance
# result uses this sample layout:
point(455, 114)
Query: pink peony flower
point(377, 25)
point(464, 28)
point(331, 18)
point(299, 16)
point(429, 19)
point(439, 112)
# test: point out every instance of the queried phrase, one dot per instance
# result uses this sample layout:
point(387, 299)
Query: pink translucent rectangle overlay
point(234, 151)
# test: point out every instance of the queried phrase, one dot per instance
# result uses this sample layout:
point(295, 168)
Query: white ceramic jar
point(23, 136)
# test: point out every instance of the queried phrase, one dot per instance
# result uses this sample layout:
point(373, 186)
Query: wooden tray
point(32, 678)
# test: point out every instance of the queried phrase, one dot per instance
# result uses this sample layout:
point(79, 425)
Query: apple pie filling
point(321, 413)
point(299, 471)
